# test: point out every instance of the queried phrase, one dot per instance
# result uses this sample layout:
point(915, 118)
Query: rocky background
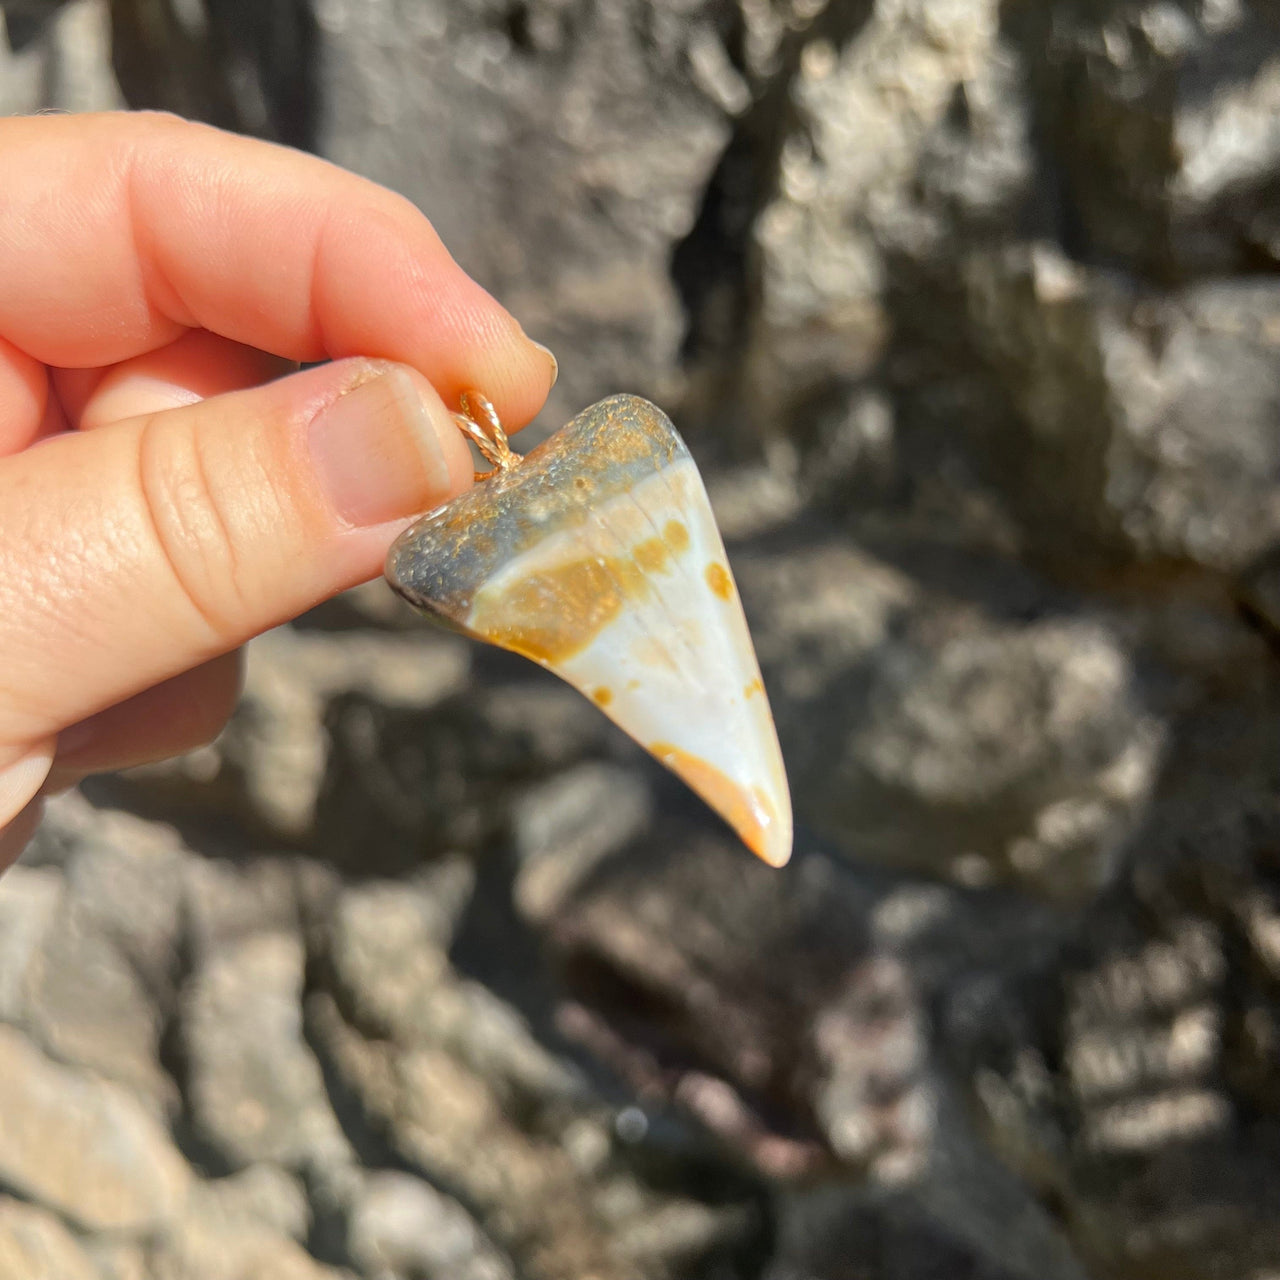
point(971, 311)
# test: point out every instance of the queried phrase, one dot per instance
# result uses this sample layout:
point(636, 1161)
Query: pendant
point(597, 556)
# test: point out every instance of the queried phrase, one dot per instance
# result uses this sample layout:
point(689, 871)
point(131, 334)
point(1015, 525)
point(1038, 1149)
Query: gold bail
point(479, 422)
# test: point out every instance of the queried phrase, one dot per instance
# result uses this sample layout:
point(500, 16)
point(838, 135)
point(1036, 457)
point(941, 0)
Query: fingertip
point(507, 366)
point(15, 837)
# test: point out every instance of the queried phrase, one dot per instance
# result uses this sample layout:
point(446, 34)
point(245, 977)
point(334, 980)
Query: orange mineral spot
point(554, 613)
point(676, 536)
point(749, 814)
point(719, 581)
point(603, 696)
point(755, 688)
point(651, 555)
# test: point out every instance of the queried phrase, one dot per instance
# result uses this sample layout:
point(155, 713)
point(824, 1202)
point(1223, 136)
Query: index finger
point(119, 231)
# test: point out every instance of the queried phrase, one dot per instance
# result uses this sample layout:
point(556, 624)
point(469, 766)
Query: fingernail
point(21, 779)
point(555, 364)
point(377, 450)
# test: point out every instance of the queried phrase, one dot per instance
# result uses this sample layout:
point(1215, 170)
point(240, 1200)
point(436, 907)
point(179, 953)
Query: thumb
point(136, 551)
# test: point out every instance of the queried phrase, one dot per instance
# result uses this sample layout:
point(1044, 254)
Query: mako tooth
point(598, 557)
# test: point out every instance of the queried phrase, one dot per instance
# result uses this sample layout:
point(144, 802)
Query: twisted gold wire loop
point(479, 422)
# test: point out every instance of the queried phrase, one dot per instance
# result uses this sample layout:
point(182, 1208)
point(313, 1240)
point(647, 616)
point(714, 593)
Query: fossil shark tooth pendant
point(597, 556)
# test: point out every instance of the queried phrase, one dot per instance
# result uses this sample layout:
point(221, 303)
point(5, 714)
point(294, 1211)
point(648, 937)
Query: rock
point(839, 1234)
point(125, 881)
point(386, 946)
point(429, 780)
point(29, 900)
point(34, 1245)
point(56, 55)
point(83, 1146)
point(1134, 1080)
point(1142, 473)
point(241, 1228)
point(907, 127)
point(402, 1227)
point(583, 143)
point(925, 733)
point(1260, 595)
point(246, 1226)
point(87, 1005)
point(268, 766)
point(672, 963)
point(227, 904)
point(291, 675)
point(432, 1109)
point(255, 1090)
point(1051, 744)
point(100, 986)
point(564, 827)
point(675, 962)
point(545, 1187)
point(1160, 125)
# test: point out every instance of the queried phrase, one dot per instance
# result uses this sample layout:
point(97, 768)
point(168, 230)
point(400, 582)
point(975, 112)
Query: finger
point(24, 399)
point(174, 716)
point(121, 231)
point(15, 836)
point(194, 367)
point(23, 771)
point(141, 549)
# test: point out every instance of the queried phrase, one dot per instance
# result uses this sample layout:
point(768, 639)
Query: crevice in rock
point(245, 65)
point(204, 1156)
point(376, 1151)
point(712, 267)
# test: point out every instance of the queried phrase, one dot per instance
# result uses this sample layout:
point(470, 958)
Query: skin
point(158, 504)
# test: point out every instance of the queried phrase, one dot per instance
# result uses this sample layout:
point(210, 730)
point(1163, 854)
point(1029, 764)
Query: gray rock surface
point(256, 1092)
point(34, 1245)
point(968, 310)
point(84, 1147)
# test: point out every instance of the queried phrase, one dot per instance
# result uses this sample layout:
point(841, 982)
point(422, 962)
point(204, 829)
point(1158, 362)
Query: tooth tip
point(773, 844)
point(761, 820)
point(776, 856)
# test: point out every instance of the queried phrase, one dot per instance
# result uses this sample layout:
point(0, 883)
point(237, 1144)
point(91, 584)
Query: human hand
point(165, 493)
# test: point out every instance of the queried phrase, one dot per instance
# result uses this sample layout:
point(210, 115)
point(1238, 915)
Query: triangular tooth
point(599, 558)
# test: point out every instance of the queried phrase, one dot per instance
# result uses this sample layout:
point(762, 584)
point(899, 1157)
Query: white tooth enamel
point(676, 665)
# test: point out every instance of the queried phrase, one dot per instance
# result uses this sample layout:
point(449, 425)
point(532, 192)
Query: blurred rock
point(28, 902)
point(674, 965)
point(1134, 1081)
point(1160, 119)
point(386, 947)
point(82, 1146)
point(563, 828)
point(908, 127)
point(240, 1228)
point(1177, 455)
point(404, 1228)
point(431, 782)
point(34, 1245)
point(87, 1005)
point(966, 309)
point(580, 131)
point(56, 54)
point(268, 767)
point(255, 1089)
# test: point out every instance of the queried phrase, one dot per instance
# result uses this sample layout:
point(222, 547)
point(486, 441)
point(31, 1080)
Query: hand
point(165, 491)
